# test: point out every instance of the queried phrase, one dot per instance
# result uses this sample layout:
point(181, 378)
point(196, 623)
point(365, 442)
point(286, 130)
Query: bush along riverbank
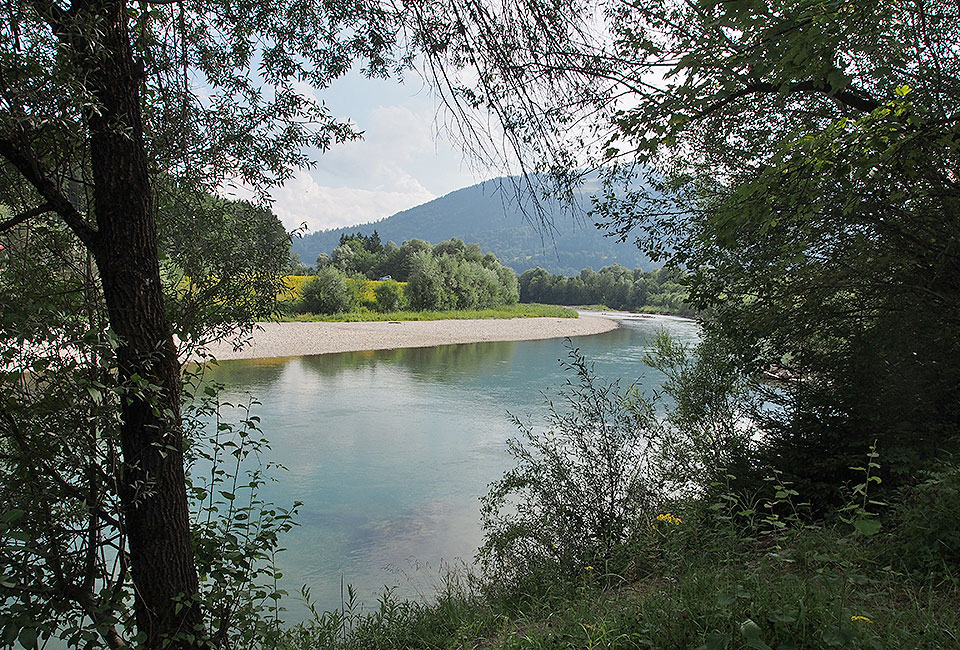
point(446, 277)
point(637, 532)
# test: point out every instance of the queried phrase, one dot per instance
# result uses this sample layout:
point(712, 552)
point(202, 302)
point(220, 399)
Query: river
point(389, 451)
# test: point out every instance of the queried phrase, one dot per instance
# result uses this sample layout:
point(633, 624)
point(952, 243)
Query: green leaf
point(28, 638)
point(751, 632)
point(714, 641)
point(867, 526)
point(11, 516)
point(725, 600)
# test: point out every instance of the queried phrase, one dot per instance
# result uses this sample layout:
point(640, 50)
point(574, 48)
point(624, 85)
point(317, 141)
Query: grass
point(531, 310)
point(708, 583)
point(725, 568)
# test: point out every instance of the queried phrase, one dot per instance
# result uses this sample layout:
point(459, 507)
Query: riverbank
point(297, 339)
point(517, 310)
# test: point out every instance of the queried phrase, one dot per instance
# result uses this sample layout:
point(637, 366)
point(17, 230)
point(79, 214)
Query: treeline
point(416, 275)
point(615, 286)
point(480, 214)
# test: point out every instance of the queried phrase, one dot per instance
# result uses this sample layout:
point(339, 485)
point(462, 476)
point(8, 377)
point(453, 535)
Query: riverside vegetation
point(449, 280)
point(621, 527)
point(798, 157)
point(453, 276)
point(663, 291)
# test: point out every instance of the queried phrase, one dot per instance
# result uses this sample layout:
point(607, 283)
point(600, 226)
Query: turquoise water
point(389, 451)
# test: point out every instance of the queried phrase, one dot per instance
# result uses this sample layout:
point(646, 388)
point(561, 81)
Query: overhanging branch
point(23, 159)
point(23, 216)
point(850, 98)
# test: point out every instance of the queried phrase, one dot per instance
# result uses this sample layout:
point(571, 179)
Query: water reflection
point(390, 450)
point(443, 363)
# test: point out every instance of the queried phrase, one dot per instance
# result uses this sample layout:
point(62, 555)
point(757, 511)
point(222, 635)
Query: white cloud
point(303, 200)
point(398, 144)
point(400, 162)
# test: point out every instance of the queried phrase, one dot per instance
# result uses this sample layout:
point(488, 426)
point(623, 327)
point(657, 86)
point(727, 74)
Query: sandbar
point(299, 339)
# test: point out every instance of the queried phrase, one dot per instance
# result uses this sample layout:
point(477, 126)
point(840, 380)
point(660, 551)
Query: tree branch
point(850, 98)
point(23, 216)
point(24, 160)
point(105, 623)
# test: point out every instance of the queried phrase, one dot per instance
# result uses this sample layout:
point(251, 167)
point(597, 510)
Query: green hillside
point(488, 215)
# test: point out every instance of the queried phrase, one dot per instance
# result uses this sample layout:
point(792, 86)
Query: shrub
point(361, 291)
point(926, 537)
point(581, 488)
point(510, 286)
point(328, 293)
point(712, 412)
point(389, 295)
point(426, 288)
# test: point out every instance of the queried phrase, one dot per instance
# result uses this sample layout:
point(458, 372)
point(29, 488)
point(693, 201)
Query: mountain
point(489, 215)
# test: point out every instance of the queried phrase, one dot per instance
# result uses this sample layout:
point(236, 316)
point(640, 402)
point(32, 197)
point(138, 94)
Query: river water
point(389, 451)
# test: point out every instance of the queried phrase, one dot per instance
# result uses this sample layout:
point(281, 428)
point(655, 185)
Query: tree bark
point(152, 485)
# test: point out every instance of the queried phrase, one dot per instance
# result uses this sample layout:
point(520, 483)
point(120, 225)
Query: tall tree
point(799, 156)
point(99, 101)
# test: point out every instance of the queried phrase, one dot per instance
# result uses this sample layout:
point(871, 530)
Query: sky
point(402, 161)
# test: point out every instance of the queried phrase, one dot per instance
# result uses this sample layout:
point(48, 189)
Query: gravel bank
point(296, 339)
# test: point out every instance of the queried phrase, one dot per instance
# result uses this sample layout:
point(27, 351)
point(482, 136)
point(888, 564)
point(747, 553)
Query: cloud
point(398, 143)
point(303, 200)
point(400, 162)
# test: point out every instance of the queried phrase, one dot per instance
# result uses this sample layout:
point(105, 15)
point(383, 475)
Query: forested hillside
point(488, 215)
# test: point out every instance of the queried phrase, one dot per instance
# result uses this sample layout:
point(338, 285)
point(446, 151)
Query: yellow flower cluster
point(861, 618)
point(294, 286)
point(669, 518)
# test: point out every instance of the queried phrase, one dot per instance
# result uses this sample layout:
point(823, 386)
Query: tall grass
point(705, 579)
point(710, 568)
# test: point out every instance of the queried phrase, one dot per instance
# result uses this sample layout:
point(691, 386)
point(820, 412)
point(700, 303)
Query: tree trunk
point(152, 486)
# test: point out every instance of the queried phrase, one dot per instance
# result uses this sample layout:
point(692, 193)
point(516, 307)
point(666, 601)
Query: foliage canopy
point(797, 157)
point(121, 120)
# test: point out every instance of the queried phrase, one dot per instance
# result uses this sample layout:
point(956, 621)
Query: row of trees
point(450, 275)
point(365, 255)
point(456, 276)
point(615, 286)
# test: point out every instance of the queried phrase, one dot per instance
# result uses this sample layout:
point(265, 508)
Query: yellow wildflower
point(861, 618)
point(670, 519)
point(588, 568)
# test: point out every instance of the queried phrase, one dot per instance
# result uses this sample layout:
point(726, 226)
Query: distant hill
point(487, 215)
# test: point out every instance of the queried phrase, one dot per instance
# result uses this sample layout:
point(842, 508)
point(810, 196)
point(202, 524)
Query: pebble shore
point(297, 339)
